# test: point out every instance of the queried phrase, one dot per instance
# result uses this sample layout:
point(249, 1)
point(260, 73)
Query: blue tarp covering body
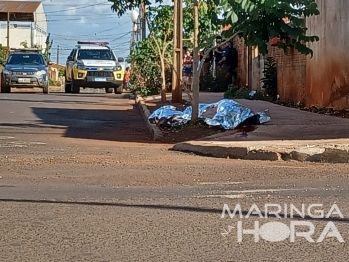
point(228, 114)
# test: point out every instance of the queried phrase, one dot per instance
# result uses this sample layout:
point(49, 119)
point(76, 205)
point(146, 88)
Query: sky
point(86, 20)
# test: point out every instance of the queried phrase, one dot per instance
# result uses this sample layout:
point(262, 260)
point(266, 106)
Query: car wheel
point(5, 89)
point(118, 90)
point(46, 89)
point(67, 87)
point(109, 90)
point(75, 88)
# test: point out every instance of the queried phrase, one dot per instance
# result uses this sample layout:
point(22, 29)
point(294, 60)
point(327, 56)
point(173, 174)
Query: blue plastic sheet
point(228, 114)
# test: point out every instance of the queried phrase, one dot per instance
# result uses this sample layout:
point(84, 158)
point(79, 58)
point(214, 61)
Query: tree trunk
point(196, 75)
point(163, 80)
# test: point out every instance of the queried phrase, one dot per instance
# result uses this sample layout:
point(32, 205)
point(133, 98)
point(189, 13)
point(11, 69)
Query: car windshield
point(26, 59)
point(95, 54)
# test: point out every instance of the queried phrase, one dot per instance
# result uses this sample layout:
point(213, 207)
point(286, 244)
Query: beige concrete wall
point(327, 73)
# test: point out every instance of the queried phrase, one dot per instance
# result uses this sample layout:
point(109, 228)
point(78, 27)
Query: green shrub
point(52, 82)
point(242, 93)
point(234, 92)
point(230, 93)
point(270, 78)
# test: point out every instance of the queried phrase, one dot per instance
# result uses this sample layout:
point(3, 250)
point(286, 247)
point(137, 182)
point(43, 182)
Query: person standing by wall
point(218, 52)
point(226, 62)
point(234, 62)
point(208, 61)
point(187, 69)
point(127, 78)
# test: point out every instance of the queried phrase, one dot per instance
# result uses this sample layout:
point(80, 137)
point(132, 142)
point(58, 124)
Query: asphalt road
point(80, 181)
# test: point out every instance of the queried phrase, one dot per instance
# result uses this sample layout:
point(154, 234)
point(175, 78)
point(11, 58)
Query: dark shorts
point(187, 70)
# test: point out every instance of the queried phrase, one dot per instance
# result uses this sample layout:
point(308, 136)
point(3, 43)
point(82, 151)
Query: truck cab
point(93, 65)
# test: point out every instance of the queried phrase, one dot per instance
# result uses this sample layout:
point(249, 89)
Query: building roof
point(57, 66)
point(19, 6)
point(20, 11)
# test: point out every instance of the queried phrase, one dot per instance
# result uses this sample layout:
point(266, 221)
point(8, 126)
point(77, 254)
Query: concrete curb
point(322, 153)
point(56, 88)
point(155, 131)
point(157, 97)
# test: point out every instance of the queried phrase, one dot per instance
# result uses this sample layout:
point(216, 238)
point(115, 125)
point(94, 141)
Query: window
point(96, 54)
point(72, 54)
point(26, 59)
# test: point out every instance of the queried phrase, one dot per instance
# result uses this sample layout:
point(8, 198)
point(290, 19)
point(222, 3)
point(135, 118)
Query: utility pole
point(177, 52)
point(58, 55)
point(249, 75)
point(137, 32)
point(143, 21)
point(132, 41)
point(8, 33)
point(195, 84)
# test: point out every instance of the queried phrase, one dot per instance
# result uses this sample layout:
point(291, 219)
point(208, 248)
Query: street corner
point(203, 149)
point(325, 153)
point(56, 88)
point(155, 132)
point(331, 155)
point(225, 151)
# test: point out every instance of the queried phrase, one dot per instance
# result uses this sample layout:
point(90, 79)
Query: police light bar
point(93, 43)
point(26, 49)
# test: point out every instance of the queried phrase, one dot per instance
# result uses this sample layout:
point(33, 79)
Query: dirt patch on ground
point(152, 106)
point(186, 132)
point(317, 110)
point(327, 111)
point(189, 132)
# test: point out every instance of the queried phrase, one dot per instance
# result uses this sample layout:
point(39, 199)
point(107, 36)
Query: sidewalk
point(292, 134)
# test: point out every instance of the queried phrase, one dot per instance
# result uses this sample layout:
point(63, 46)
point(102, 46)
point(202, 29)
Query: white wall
point(34, 33)
point(17, 35)
point(40, 27)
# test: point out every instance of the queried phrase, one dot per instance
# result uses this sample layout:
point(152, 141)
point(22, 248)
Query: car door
point(69, 65)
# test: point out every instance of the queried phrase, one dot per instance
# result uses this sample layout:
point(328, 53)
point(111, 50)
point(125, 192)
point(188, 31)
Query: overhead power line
point(76, 8)
point(96, 32)
point(70, 5)
point(74, 19)
point(74, 37)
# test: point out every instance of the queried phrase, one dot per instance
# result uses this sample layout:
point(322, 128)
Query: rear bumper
point(98, 83)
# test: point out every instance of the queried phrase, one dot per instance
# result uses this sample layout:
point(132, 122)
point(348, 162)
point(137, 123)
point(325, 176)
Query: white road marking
point(219, 183)
point(293, 167)
point(268, 190)
point(6, 137)
point(37, 143)
point(20, 144)
point(222, 196)
point(14, 145)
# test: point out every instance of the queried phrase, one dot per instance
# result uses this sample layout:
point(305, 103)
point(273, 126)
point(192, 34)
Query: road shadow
point(110, 125)
point(178, 208)
point(13, 98)
point(102, 95)
point(65, 102)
